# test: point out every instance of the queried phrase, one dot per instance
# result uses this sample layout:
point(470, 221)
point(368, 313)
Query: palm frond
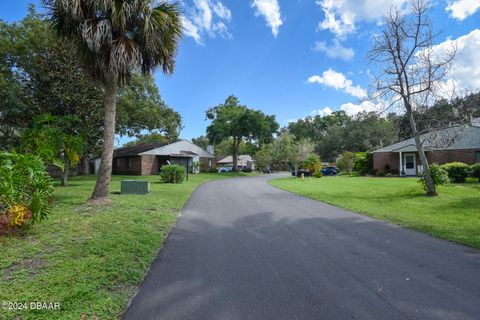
point(114, 37)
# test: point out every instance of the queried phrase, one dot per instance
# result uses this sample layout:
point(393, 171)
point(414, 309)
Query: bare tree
point(412, 73)
point(301, 150)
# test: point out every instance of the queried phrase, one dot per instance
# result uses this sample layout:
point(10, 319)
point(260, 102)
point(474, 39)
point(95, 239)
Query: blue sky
point(290, 57)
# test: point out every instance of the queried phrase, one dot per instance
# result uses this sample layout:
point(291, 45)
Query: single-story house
point(459, 143)
point(243, 161)
point(147, 159)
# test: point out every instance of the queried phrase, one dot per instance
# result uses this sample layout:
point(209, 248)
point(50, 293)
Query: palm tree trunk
point(105, 171)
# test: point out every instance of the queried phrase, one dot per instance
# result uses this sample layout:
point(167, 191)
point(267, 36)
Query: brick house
point(148, 159)
point(461, 143)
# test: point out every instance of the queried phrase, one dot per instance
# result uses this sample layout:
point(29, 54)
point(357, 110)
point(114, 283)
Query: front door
point(410, 164)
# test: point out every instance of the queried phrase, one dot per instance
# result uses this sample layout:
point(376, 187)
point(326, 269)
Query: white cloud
point(222, 11)
point(335, 50)
point(341, 16)
point(206, 17)
point(322, 112)
point(366, 106)
point(190, 29)
point(270, 9)
point(338, 81)
point(461, 9)
point(465, 70)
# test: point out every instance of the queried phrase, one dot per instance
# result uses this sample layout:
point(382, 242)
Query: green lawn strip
point(90, 259)
point(453, 215)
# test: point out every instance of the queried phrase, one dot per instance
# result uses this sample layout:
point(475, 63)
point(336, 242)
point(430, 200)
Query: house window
point(477, 157)
point(117, 162)
point(129, 162)
point(209, 163)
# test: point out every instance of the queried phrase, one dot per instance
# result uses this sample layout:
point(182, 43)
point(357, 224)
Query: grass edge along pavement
point(90, 259)
point(454, 215)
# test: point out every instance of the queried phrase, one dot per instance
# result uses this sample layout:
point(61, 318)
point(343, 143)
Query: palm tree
point(113, 38)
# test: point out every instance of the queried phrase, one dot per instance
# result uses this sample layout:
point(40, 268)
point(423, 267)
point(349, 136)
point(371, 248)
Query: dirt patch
point(31, 265)
point(93, 206)
point(99, 202)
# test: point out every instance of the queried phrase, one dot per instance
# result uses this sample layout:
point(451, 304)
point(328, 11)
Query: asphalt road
point(245, 250)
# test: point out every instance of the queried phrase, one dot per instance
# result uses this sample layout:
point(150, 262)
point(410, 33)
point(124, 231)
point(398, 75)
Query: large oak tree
point(231, 120)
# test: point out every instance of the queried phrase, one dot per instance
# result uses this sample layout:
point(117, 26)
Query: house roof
point(452, 138)
point(136, 150)
point(240, 158)
point(181, 147)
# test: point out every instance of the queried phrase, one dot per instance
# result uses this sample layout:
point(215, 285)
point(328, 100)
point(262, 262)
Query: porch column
point(401, 163)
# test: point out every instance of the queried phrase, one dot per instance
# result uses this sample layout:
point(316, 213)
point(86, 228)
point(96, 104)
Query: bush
point(438, 174)
point(346, 162)
point(318, 174)
point(173, 173)
point(26, 190)
point(363, 163)
point(457, 171)
point(475, 171)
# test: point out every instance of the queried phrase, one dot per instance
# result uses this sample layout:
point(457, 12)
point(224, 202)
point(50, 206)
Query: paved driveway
point(245, 250)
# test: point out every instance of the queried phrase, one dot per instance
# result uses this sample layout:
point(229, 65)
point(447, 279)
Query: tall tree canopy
point(333, 134)
point(40, 74)
point(231, 120)
point(141, 108)
point(147, 139)
point(114, 38)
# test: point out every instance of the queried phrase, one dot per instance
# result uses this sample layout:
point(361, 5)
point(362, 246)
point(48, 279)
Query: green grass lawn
point(90, 259)
point(453, 215)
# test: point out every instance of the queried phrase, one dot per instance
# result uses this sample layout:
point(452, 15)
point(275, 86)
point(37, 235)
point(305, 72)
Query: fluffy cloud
point(270, 9)
point(465, 70)
point(461, 9)
point(367, 106)
point(335, 50)
point(322, 112)
point(342, 15)
point(338, 81)
point(206, 17)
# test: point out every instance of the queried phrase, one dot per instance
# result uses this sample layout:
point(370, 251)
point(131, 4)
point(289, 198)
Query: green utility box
point(135, 187)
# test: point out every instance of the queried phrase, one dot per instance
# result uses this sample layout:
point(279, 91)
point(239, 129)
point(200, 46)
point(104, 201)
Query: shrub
point(438, 174)
point(313, 163)
point(26, 190)
point(363, 163)
point(346, 162)
point(172, 173)
point(475, 171)
point(457, 171)
point(318, 174)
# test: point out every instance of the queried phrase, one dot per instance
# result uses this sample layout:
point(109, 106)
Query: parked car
point(330, 171)
point(299, 172)
point(268, 170)
point(225, 169)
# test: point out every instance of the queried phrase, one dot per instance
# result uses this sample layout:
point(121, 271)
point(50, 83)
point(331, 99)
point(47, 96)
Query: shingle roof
point(136, 150)
point(242, 157)
point(453, 138)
